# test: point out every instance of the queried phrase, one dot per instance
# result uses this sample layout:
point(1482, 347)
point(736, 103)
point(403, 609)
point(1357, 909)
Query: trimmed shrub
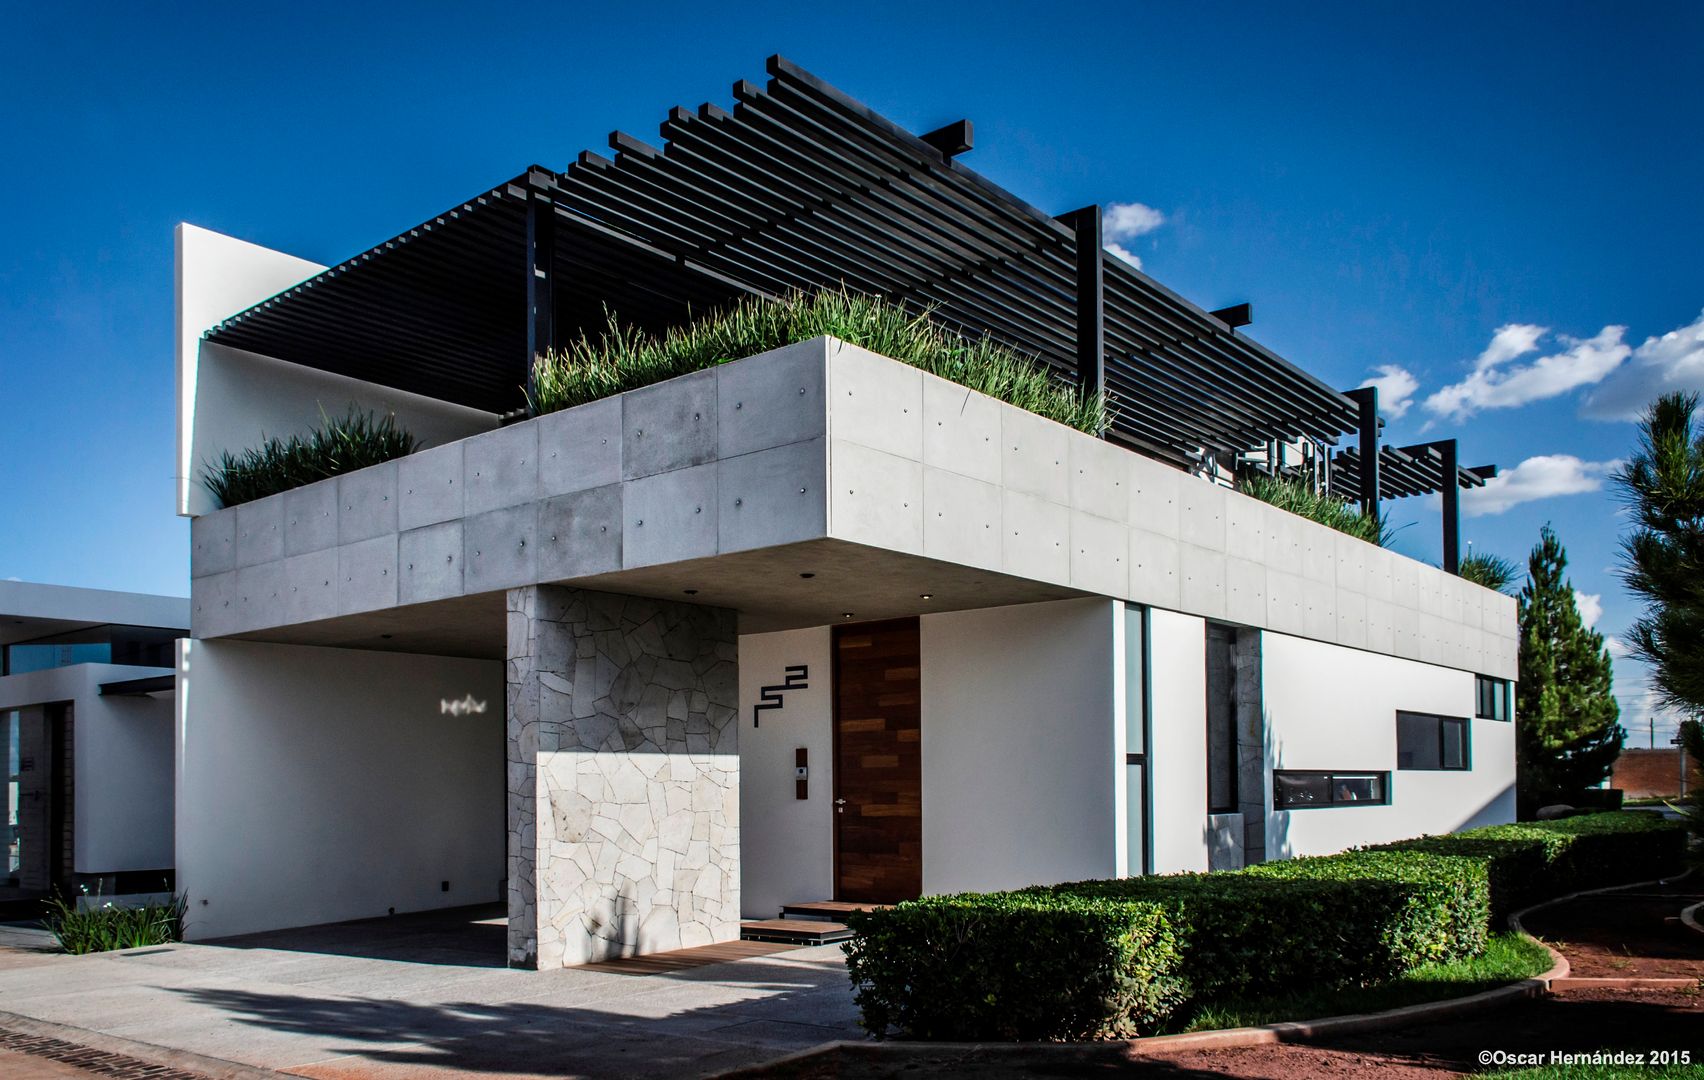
point(1534, 861)
point(337, 446)
point(1336, 920)
point(1014, 966)
point(624, 358)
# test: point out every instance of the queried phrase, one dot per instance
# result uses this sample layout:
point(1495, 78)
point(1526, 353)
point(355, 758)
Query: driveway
point(424, 996)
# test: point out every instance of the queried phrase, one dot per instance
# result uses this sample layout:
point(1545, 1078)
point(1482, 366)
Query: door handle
point(840, 806)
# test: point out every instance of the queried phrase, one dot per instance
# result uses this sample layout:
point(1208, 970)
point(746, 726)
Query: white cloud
point(1396, 389)
point(1495, 384)
point(1590, 606)
point(1542, 477)
point(1674, 361)
point(1126, 254)
point(1128, 220)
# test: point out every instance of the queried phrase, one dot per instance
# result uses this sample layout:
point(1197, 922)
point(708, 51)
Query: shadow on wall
point(652, 1026)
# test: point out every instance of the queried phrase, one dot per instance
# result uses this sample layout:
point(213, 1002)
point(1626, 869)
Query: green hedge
point(1015, 966)
point(1116, 958)
point(1355, 918)
point(1534, 861)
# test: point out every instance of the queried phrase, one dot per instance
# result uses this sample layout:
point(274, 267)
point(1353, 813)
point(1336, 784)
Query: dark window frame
point(1331, 778)
point(1499, 692)
point(1443, 724)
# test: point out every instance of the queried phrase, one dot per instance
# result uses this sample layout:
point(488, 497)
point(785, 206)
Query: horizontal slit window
point(1297, 789)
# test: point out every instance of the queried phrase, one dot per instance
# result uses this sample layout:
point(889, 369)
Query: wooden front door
point(878, 766)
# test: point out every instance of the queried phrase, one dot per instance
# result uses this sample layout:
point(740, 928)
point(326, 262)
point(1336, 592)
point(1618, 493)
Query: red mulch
point(1637, 932)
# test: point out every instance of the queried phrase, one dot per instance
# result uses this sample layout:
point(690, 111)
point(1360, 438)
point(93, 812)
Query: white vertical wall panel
point(1177, 750)
point(1019, 745)
point(786, 843)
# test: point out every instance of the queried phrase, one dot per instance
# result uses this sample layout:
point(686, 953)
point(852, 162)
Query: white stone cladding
point(623, 774)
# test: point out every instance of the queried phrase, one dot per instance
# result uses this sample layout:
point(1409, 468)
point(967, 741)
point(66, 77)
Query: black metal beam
point(1234, 316)
point(1366, 400)
point(540, 270)
point(1091, 298)
point(150, 684)
point(953, 139)
point(1452, 507)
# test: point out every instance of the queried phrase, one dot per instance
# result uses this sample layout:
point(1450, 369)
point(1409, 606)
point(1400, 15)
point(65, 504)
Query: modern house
point(86, 688)
point(809, 625)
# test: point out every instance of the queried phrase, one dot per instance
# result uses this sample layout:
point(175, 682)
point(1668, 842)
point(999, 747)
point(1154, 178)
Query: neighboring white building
point(812, 624)
point(86, 689)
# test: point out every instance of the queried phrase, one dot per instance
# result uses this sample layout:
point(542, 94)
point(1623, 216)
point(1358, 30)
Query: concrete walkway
point(422, 996)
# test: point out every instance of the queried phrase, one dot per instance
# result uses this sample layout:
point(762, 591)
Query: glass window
point(1295, 789)
point(1135, 739)
point(1428, 742)
point(1491, 698)
point(11, 837)
point(1221, 721)
point(135, 646)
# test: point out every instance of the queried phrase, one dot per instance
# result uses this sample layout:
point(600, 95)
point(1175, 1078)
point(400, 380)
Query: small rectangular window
point(1491, 698)
point(1430, 743)
point(1303, 790)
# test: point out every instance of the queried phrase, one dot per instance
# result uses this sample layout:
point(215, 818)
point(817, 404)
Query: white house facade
point(811, 625)
point(86, 688)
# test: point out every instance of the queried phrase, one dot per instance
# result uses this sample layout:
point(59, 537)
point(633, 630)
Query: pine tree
point(1567, 736)
point(1664, 555)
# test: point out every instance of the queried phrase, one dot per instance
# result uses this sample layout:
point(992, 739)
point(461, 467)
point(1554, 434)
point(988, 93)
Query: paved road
point(378, 1000)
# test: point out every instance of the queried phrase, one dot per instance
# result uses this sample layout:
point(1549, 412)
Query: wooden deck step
point(793, 931)
point(825, 910)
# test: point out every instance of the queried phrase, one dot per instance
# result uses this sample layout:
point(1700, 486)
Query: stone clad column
point(623, 776)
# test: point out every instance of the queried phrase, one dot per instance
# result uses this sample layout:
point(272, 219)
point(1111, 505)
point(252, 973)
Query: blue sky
point(1496, 203)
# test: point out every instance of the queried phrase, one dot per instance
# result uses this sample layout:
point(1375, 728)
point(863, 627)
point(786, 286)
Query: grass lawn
point(1508, 958)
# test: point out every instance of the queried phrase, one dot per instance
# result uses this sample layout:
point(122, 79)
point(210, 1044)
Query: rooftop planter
point(624, 358)
point(341, 445)
point(1325, 509)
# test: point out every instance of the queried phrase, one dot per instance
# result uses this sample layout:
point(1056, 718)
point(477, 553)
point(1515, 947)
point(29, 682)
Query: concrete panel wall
point(122, 755)
point(1177, 746)
point(823, 439)
point(786, 843)
point(1019, 754)
point(315, 785)
point(913, 471)
point(1334, 708)
point(726, 460)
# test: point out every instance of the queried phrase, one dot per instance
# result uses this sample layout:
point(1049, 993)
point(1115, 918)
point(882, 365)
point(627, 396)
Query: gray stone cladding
point(623, 776)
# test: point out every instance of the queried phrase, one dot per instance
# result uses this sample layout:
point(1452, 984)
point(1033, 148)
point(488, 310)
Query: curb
point(1689, 917)
point(1562, 982)
point(181, 1060)
point(1631, 982)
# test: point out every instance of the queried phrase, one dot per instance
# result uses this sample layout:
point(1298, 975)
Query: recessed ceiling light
point(925, 596)
point(387, 637)
point(845, 614)
point(807, 575)
point(692, 592)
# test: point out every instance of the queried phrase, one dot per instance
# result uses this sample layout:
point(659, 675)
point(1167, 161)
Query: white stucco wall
point(1019, 746)
point(786, 843)
point(1328, 707)
point(1177, 747)
point(316, 785)
point(122, 755)
point(229, 399)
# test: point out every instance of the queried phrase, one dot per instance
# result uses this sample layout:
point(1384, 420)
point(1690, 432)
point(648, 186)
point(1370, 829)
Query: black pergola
point(798, 187)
